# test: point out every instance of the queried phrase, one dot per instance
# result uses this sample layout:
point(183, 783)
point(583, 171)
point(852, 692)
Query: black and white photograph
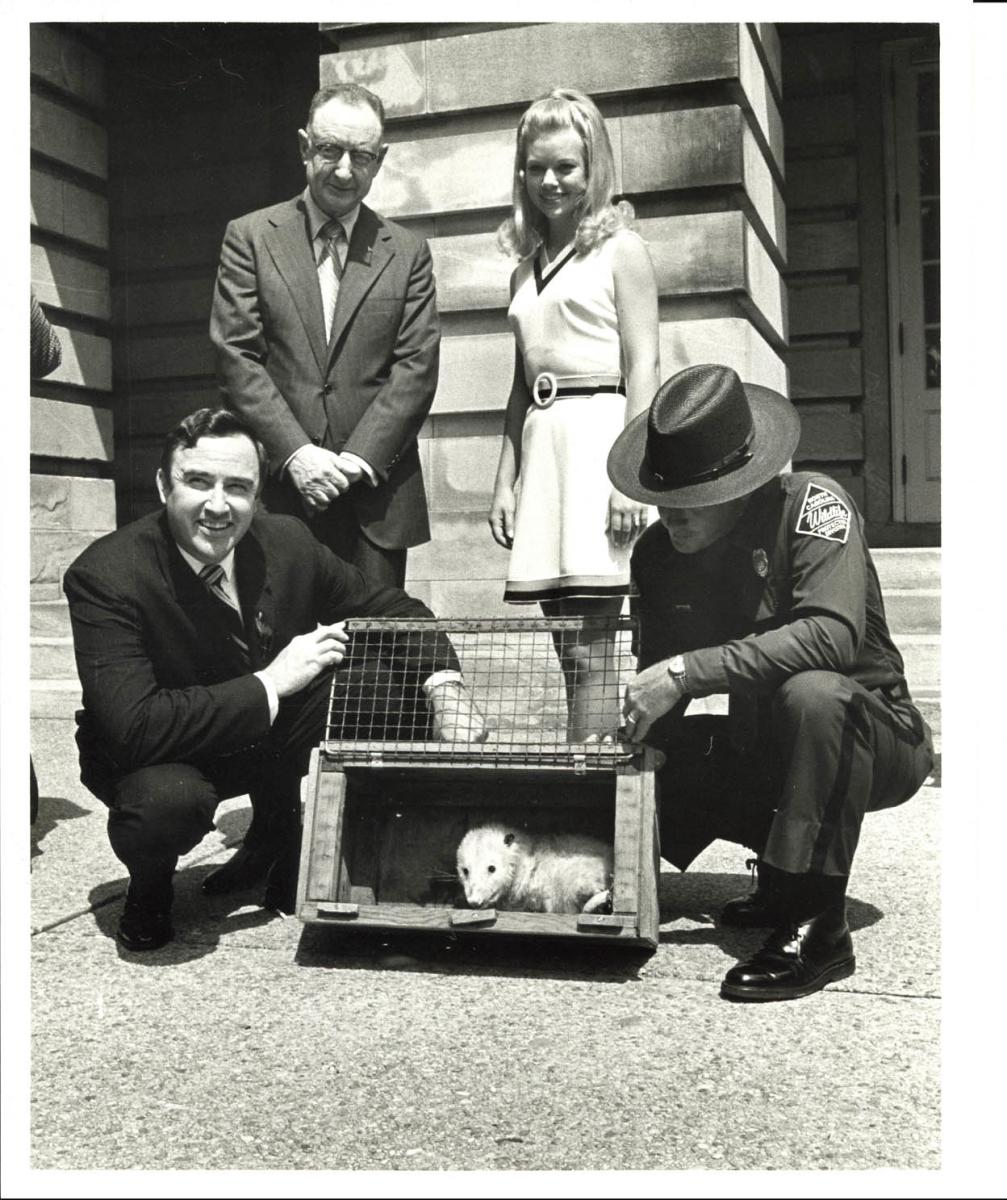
point(500, 585)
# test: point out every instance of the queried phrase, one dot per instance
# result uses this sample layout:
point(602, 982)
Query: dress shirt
point(229, 584)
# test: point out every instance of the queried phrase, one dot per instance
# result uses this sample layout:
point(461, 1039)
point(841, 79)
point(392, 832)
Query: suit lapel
point(370, 251)
point(291, 251)
point(257, 604)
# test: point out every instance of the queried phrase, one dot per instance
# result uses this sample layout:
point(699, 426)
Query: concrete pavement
point(253, 1042)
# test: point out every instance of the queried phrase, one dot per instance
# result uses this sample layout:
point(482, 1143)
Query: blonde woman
point(584, 314)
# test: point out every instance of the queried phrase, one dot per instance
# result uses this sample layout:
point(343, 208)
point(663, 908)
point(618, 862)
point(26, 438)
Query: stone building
point(785, 177)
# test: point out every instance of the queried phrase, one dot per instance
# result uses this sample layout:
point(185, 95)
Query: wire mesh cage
point(482, 693)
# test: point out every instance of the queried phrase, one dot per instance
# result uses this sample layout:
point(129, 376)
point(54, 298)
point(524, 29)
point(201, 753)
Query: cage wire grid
point(379, 711)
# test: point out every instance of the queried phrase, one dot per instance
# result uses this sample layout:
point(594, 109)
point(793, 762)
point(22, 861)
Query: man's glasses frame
point(332, 152)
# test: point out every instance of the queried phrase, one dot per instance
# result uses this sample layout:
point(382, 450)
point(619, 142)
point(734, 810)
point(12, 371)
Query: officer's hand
point(626, 519)
point(649, 695)
point(318, 476)
point(456, 716)
point(306, 656)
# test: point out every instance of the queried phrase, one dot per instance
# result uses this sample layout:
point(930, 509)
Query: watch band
point(676, 669)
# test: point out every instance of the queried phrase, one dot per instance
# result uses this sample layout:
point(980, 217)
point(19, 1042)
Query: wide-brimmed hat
point(706, 438)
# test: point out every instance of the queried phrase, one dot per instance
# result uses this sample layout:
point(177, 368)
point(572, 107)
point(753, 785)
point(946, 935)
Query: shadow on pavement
point(198, 920)
point(499, 955)
point(700, 895)
point(52, 810)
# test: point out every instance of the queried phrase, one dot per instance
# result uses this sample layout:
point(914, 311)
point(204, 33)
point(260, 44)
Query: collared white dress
point(565, 322)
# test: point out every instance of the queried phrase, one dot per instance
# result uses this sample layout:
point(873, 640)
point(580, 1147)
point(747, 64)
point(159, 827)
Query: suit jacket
point(368, 390)
point(162, 679)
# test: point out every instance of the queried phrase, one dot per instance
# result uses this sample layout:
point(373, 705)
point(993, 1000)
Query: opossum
point(514, 870)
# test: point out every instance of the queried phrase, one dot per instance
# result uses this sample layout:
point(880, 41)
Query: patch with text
point(824, 515)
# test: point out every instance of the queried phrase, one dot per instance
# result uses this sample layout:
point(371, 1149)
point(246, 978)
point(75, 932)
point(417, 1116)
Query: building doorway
point(912, 178)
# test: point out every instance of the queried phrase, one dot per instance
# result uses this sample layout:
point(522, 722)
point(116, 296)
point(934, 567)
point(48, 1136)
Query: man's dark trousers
point(161, 812)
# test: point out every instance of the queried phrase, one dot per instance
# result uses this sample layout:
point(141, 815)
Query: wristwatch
point(676, 669)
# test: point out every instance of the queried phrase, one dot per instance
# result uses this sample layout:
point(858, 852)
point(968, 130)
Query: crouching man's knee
point(157, 811)
point(810, 700)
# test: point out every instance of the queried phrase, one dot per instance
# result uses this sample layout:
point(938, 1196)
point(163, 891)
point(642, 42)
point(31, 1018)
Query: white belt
point(548, 387)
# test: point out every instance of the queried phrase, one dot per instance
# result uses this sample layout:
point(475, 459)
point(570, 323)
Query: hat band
point(730, 462)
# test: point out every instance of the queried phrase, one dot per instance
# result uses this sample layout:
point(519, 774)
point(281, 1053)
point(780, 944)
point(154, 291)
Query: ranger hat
point(706, 438)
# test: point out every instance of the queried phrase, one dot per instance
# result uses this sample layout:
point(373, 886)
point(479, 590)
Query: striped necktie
point(332, 235)
point(213, 576)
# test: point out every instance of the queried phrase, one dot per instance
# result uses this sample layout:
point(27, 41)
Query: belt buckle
point(549, 378)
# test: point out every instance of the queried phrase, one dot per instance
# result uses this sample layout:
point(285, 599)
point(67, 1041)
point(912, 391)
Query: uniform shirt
point(791, 588)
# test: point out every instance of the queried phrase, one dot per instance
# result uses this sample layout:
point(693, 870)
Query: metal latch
point(335, 911)
point(473, 916)
point(606, 921)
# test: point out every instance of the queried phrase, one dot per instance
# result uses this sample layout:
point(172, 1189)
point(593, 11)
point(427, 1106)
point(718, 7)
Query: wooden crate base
point(379, 845)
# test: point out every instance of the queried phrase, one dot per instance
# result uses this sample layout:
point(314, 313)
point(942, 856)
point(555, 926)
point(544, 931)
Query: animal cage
point(407, 769)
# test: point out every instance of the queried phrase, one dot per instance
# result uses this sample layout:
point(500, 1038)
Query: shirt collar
point(317, 218)
point(227, 563)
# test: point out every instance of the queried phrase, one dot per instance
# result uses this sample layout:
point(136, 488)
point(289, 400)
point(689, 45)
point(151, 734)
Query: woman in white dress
point(584, 314)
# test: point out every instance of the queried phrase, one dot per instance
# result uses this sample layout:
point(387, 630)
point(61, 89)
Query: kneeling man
point(205, 635)
point(761, 585)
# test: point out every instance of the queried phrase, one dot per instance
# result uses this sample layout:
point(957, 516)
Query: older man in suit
point(205, 635)
point(327, 338)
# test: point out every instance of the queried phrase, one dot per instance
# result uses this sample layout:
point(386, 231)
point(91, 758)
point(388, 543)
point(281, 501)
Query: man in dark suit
point(204, 637)
point(325, 325)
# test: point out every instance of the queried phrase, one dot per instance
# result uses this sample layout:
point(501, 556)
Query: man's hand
point(456, 716)
point(319, 475)
point(351, 468)
point(649, 695)
point(306, 656)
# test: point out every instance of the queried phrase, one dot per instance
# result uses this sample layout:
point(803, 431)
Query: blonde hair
point(564, 108)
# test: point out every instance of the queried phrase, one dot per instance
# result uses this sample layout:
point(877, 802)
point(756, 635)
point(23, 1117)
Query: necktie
point(330, 268)
point(213, 576)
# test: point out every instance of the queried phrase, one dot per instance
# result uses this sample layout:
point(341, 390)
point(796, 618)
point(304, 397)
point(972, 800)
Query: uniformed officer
point(761, 585)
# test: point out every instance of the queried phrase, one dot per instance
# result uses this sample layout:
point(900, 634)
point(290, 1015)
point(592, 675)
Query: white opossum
point(513, 870)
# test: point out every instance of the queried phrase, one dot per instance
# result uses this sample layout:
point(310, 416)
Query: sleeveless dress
point(564, 320)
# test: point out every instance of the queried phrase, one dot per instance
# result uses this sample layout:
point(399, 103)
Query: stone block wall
point(72, 492)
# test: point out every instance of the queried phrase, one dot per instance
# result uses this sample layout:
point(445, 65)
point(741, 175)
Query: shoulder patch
point(824, 515)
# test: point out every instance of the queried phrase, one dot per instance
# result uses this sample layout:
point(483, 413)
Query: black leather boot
point(753, 911)
point(810, 947)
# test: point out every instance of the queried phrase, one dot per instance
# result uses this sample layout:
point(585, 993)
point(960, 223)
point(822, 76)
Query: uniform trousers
point(828, 751)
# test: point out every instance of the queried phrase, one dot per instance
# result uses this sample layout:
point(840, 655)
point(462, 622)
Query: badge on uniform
point(760, 563)
point(824, 515)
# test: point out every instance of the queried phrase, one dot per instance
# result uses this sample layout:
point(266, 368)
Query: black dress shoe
point(793, 963)
point(749, 912)
point(752, 911)
point(245, 868)
point(142, 927)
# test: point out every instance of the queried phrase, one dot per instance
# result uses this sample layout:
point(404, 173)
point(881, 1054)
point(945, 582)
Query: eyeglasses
point(332, 152)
